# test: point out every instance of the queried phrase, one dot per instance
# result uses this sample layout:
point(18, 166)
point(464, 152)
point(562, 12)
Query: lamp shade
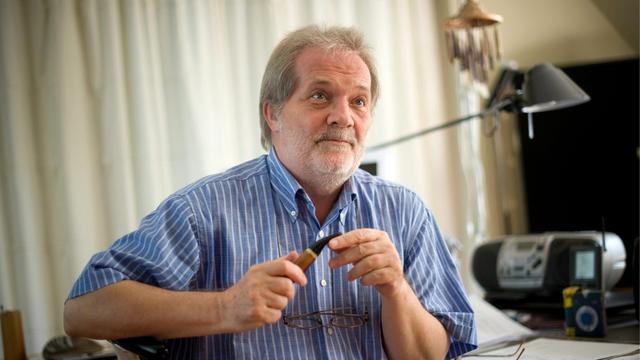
point(549, 88)
point(545, 88)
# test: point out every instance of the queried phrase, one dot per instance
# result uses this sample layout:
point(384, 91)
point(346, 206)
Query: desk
point(544, 332)
point(554, 349)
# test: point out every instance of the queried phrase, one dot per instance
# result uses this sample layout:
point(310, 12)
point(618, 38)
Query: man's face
point(321, 129)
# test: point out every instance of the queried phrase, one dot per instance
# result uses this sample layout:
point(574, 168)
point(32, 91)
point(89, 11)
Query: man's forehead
point(317, 65)
point(321, 81)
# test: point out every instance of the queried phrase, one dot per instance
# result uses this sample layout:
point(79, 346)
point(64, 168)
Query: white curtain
point(106, 107)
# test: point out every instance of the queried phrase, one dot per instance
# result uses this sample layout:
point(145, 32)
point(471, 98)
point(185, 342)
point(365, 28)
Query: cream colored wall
point(558, 31)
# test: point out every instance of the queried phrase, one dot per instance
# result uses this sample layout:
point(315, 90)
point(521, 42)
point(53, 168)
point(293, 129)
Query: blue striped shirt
point(207, 235)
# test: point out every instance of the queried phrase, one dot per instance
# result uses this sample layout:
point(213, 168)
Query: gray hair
point(280, 78)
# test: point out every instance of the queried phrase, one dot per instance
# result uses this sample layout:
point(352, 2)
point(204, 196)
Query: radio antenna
point(604, 249)
point(604, 243)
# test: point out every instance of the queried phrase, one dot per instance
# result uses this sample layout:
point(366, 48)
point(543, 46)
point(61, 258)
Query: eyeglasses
point(517, 353)
point(339, 317)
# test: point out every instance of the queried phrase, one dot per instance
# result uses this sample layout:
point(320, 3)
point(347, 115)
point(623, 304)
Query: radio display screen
point(585, 264)
point(526, 245)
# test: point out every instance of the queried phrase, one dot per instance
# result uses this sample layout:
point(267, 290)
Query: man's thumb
point(291, 256)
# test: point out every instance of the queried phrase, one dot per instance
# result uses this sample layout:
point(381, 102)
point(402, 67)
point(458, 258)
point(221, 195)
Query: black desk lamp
point(545, 88)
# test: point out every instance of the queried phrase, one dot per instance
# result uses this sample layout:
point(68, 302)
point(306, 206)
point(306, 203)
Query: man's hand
point(130, 309)
point(374, 258)
point(410, 331)
point(261, 295)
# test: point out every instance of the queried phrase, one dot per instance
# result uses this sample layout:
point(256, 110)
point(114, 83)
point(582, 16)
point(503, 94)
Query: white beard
point(327, 165)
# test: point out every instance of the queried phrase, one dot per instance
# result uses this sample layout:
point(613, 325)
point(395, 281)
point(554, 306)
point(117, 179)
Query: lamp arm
point(496, 107)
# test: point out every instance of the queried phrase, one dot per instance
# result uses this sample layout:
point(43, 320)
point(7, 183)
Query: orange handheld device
point(311, 253)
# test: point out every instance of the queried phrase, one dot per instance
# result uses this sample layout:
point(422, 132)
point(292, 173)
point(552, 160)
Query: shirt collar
point(283, 183)
point(348, 195)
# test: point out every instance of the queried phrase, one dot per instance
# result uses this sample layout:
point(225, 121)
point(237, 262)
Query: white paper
point(544, 349)
point(494, 326)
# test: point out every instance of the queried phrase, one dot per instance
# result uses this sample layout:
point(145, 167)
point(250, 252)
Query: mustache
point(333, 134)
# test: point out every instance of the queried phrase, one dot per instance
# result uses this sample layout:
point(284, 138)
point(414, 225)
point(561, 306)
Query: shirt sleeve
point(162, 252)
point(435, 278)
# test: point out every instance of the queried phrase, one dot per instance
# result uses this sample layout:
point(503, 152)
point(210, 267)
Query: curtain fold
point(106, 107)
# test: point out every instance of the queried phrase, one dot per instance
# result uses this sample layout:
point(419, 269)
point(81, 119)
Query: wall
point(561, 32)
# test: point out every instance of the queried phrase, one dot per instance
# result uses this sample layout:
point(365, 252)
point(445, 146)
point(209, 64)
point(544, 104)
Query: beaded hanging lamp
point(472, 39)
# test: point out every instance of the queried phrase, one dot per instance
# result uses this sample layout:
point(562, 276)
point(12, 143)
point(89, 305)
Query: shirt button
point(293, 213)
point(330, 330)
point(323, 282)
point(321, 234)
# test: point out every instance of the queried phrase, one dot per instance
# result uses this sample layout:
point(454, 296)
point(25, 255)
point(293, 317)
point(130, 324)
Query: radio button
point(536, 263)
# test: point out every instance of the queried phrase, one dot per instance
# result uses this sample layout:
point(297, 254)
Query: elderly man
point(212, 267)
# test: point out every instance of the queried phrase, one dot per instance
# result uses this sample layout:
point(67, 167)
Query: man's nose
point(341, 114)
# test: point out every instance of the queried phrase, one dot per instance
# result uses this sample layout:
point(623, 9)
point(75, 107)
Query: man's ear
point(269, 116)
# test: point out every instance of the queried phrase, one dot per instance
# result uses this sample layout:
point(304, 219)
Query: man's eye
point(360, 102)
point(318, 96)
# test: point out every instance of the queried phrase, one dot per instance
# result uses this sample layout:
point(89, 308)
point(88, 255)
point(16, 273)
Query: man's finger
point(282, 286)
point(378, 277)
point(291, 256)
point(276, 302)
point(286, 268)
point(355, 254)
point(353, 237)
point(271, 316)
point(367, 265)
